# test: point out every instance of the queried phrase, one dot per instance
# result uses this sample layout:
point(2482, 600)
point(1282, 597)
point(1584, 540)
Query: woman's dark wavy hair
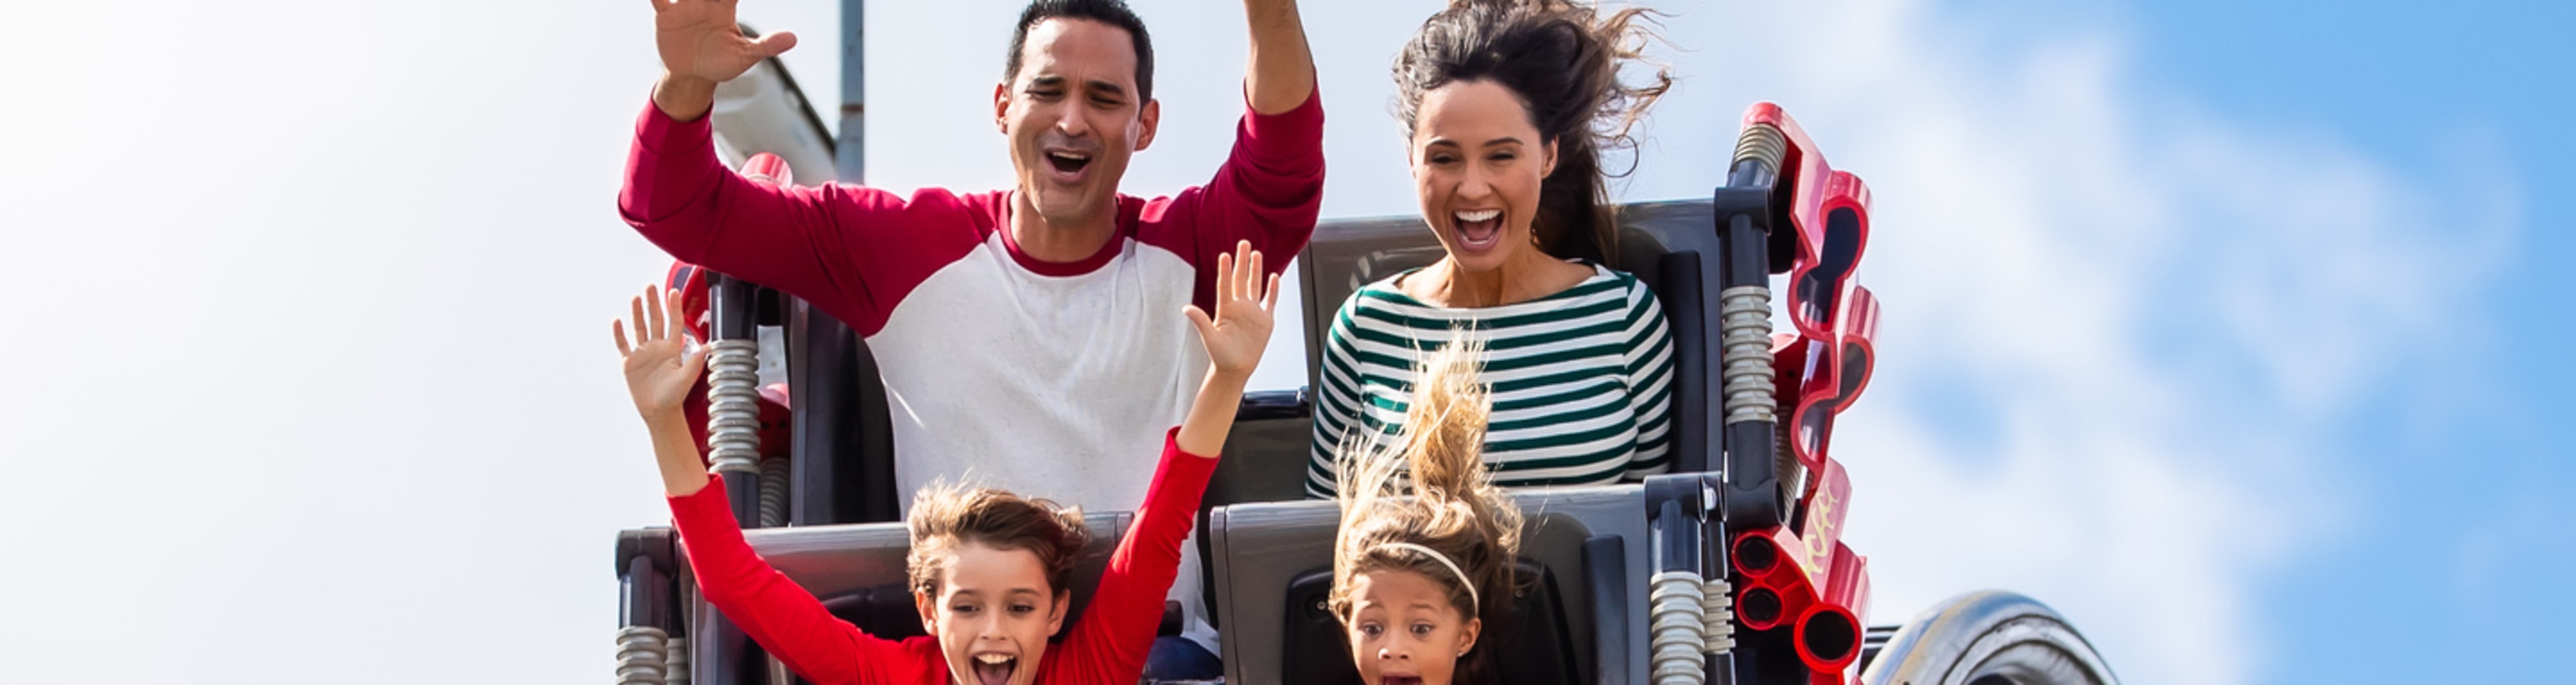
point(1562, 59)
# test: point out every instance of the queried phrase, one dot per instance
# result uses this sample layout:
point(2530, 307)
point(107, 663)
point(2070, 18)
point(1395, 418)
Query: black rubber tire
point(1988, 638)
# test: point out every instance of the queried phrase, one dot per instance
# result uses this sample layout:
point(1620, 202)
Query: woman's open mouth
point(1399, 680)
point(1479, 230)
point(994, 668)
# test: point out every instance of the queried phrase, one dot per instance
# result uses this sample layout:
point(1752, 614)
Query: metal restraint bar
point(1745, 209)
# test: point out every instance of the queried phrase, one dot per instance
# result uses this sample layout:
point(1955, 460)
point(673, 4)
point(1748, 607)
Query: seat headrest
point(858, 569)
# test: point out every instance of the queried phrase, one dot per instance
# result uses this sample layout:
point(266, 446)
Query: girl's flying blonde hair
point(1424, 492)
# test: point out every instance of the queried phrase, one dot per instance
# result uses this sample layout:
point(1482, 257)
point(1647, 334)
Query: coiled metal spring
point(1744, 315)
point(733, 411)
point(773, 492)
point(1761, 142)
point(1676, 607)
point(675, 661)
point(641, 655)
point(1717, 614)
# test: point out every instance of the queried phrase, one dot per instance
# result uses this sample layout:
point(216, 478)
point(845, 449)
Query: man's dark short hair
point(1111, 12)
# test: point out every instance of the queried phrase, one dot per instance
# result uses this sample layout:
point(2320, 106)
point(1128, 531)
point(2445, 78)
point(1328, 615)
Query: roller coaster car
point(1731, 569)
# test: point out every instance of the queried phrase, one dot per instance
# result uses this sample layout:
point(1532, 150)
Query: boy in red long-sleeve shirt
point(988, 568)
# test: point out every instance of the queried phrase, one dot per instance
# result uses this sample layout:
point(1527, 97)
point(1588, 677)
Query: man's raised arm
point(1272, 184)
point(1281, 73)
point(701, 46)
point(849, 250)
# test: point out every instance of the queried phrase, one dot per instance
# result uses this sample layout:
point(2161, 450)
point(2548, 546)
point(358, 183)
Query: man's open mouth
point(1478, 230)
point(993, 668)
point(1067, 162)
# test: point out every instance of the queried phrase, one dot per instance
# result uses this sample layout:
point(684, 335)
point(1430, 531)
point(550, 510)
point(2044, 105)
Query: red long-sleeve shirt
point(1107, 645)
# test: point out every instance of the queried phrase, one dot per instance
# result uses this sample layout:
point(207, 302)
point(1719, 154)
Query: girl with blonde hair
point(1423, 561)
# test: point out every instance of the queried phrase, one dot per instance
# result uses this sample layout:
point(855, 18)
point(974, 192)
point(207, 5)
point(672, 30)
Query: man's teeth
point(1070, 156)
point(1472, 217)
point(995, 659)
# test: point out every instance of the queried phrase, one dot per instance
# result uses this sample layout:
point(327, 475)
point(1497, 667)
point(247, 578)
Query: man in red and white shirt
point(1028, 338)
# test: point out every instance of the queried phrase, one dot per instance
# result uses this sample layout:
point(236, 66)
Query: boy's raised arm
point(660, 369)
point(1111, 641)
point(1235, 338)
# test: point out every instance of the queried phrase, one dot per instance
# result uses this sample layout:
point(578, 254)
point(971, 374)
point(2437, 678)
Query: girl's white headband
point(1463, 580)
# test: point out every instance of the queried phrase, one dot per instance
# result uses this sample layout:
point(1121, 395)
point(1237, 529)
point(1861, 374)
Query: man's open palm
point(699, 39)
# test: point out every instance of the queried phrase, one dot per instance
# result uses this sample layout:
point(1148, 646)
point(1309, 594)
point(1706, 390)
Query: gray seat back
point(1260, 550)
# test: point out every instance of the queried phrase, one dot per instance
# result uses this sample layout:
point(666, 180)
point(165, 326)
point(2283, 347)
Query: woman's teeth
point(1479, 229)
point(993, 658)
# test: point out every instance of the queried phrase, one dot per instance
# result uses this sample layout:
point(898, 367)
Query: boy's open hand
point(1241, 328)
point(698, 39)
point(660, 366)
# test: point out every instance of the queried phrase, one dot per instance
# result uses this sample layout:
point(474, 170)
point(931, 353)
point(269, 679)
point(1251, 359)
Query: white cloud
point(2119, 327)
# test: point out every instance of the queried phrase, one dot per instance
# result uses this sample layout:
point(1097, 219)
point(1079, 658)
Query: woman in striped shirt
point(1507, 106)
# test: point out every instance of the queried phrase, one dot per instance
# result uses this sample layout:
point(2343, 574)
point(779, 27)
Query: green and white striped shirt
point(1581, 381)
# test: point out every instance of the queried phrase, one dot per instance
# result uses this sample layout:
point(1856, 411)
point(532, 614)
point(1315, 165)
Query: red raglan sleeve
point(1268, 192)
point(851, 250)
point(773, 610)
point(1109, 644)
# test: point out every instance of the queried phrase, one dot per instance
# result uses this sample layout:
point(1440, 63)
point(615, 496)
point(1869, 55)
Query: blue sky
point(2232, 330)
point(2455, 569)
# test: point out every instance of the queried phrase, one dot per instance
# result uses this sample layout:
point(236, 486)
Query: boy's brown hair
point(947, 515)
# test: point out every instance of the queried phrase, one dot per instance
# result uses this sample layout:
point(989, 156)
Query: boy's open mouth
point(994, 668)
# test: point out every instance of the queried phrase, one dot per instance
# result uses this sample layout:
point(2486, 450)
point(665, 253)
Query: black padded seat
point(1262, 551)
point(1534, 636)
